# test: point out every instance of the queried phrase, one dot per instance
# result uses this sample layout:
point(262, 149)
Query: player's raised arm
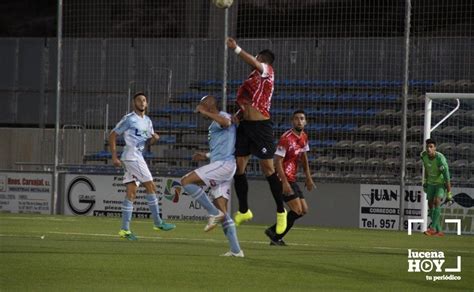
point(204, 107)
point(113, 148)
point(246, 57)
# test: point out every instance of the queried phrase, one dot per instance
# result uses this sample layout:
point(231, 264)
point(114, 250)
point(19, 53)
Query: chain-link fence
point(340, 61)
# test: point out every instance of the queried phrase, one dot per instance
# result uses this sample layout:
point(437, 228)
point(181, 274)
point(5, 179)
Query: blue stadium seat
point(377, 96)
point(101, 155)
point(322, 143)
point(392, 97)
point(329, 96)
point(349, 127)
point(167, 139)
point(346, 97)
point(148, 155)
point(190, 96)
point(372, 112)
point(235, 82)
point(314, 97)
point(175, 125)
point(281, 111)
point(361, 96)
point(316, 127)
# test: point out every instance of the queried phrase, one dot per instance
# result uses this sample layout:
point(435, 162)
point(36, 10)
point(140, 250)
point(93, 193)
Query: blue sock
point(231, 233)
point(199, 195)
point(127, 210)
point(154, 208)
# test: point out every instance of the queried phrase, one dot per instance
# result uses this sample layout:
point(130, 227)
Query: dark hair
point(267, 56)
point(430, 141)
point(300, 111)
point(138, 94)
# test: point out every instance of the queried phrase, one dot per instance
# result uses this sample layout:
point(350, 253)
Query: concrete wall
point(36, 146)
point(335, 205)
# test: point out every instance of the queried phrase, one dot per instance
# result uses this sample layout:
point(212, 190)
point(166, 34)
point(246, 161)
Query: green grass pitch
point(59, 253)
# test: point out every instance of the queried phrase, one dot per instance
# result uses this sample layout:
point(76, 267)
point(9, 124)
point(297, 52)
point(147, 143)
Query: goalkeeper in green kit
point(437, 185)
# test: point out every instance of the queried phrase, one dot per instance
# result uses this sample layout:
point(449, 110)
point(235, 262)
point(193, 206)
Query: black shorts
point(255, 137)
point(297, 193)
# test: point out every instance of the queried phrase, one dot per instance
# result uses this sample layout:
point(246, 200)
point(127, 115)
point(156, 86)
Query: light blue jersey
point(222, 140)
point(136, 131)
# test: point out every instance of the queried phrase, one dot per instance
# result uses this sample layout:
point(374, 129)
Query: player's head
point(298, 120)
point(210, 103)
point(431, 147)
point(140, 102)
point(266, 56)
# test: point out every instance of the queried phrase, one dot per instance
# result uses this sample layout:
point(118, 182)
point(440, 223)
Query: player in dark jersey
point(292, 148)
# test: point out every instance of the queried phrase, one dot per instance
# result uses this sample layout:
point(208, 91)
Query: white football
point(223, 4)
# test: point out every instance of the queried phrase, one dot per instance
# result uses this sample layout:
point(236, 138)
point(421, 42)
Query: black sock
point(241, 189)
point(277, 191)
point(290, 220)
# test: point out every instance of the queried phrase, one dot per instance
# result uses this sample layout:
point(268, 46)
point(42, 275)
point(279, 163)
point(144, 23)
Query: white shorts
point(137, 171)
point(218, 177)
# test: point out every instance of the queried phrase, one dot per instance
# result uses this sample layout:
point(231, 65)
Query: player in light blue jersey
point(137, 130)
point(218, 174)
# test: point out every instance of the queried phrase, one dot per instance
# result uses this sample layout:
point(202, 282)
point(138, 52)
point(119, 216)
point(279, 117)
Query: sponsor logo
point(80, 195)
point(377, 195)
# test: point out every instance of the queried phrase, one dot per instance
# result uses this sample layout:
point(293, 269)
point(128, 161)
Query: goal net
point(449, 120)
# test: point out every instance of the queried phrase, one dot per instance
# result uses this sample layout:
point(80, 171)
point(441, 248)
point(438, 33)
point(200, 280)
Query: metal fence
point(343, 62)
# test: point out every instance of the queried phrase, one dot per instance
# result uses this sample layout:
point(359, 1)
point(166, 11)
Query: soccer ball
point(223, 4)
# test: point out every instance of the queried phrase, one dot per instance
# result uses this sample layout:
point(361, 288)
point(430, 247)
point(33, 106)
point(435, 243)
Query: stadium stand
point(349, 120)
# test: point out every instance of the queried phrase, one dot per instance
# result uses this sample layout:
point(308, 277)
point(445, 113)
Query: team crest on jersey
point(140, 132)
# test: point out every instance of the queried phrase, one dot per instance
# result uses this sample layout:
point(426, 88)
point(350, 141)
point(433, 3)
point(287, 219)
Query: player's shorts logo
point(212, 183)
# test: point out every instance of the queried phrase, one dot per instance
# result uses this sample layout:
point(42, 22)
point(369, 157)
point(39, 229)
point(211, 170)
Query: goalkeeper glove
point(450, 196)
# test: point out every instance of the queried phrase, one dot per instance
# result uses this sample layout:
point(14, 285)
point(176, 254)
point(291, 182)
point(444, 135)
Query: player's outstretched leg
point(215, 215)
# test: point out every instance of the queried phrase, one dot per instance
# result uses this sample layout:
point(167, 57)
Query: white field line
point(158, 238)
